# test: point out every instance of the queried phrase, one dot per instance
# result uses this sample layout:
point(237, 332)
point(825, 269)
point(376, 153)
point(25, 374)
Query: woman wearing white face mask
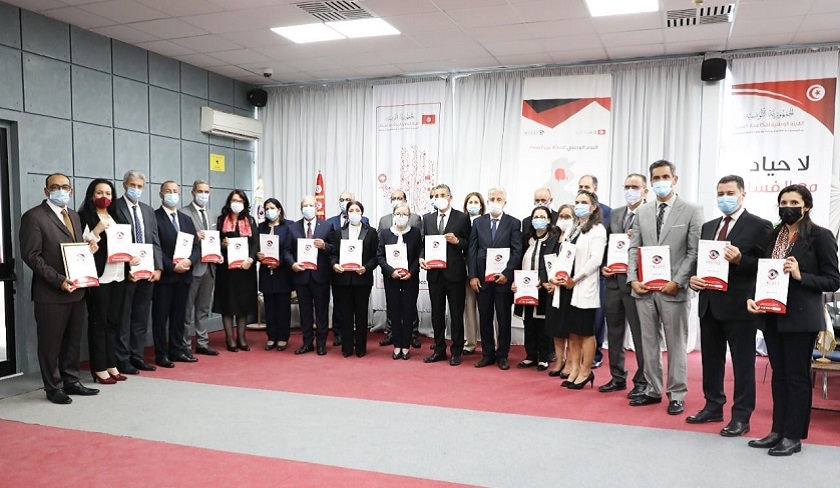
point(553, 329)
point(276, 277)
point(353, 281)
point(474, 208)
point(236, 289)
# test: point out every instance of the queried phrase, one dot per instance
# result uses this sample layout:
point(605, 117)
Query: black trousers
point(600, 322)
point(740, 334)
point(439, 293)
point(169, 305)
point(131, 338)
point(353, 301)
point(620, 311)
point(790, 357)
point(401, 309)
point(538, 346)
point(314, 304)
point(60, 327)
point(489, 300)
point(105, 310)
point(278, 316)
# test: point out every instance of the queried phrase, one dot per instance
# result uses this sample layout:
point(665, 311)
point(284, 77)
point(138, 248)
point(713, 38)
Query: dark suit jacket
point(508, 234)
point(335, 221)
point(122, 215)
point(323, 230)
point(168, 237)
point(279, 280)
point(370, 242)
point(456, 254)
point(816, 253)
point(41, 235)
point(413, 244)
point(748, 235)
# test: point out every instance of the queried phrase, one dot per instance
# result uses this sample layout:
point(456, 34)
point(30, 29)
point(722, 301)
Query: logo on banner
point(554, 111)
point(428, 119)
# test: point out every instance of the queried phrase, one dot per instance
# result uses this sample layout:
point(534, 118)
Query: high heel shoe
point(563, 374)
point(579, 386)
point(397, 355)
point(566, 383)
point(118, 376)
point(555, 373)
point(244, 347)
point(103, 381)
point(232, 348)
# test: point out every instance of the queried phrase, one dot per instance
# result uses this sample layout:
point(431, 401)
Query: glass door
point(7, 266)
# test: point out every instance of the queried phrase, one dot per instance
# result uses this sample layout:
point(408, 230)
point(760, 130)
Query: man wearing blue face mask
point(723, 317)
point(667, 221)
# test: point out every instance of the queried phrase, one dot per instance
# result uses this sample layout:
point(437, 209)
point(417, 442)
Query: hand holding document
point(435, 247)
point(119, 243)
point(183, 247)
point(211, 247)
point(497, 259)
point(307, 253)
point(146, 267)
point(712, 267)
point(237, 251)
point(270, 247)
point(655, 266)
point(771, 286)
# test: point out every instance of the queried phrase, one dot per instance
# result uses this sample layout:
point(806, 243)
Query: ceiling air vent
point(334, 11)
point(700, 16)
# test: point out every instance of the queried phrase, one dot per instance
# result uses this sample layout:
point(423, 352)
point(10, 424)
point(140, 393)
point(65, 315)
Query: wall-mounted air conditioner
point(229, 125)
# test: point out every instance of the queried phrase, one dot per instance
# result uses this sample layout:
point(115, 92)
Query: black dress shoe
point(554, 373)
point(347, 354)
point(164, 363)
point(183, 358)
point(142, 365)
point(455, 360)
point(206, 350)
point(704, 417)
point(322, 350)
point(79, 389)
point(645, 400)
point(526, 363)
point(337, 341)
point(484, 361)
point(387, 341)
point(305, 349)
point(542, 366)
point(612, 386)
point(637, 391)
point(503, 364)
point(766, 442)
point(435, 357)
point(735, 429)
point(676, 407)
point(785, 447)
point(415, 342)
point(127, 368)
point(59, 397)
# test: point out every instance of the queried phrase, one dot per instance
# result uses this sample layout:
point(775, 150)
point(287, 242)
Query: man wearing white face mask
point(620, 305)
point(667, 221)
point(398, 197)
point(723, 318)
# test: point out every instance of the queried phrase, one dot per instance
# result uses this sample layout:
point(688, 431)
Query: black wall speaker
point(258, 97)
point(713, 69)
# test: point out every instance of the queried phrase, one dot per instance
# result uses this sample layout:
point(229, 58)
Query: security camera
point(267, 72)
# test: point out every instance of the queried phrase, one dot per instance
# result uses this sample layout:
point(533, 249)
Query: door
point(7, 265)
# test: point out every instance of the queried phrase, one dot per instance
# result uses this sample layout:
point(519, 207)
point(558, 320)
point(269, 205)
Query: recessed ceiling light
point(308, 33)
point(603, 8)
point(364, 28)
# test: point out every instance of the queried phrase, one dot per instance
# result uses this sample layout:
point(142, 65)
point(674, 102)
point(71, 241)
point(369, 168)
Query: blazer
point(41, 236)
point(680, 231)
point(168, 238)
point(370, 243)
point(279, 279)
point(122, 215)
point(199, 268)
point(412, 242)
point(539, 267)
point(589, 252)
point(749, 235)
point(816, 253)
point(456, 254)
point(322, 230)
point(508, 234)
point(335, 221)
point(387, 220)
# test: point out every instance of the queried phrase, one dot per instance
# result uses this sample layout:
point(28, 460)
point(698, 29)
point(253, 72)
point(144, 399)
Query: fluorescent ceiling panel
point(603, 8)
point(308, 33)
point(364, 28)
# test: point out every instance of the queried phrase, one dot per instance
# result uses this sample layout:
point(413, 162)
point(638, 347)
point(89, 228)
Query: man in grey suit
point(667, 221)
point(204, 274)
point(131, 338)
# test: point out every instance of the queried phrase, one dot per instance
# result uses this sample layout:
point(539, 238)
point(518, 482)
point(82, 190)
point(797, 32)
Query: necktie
point(204, 219)
point(175, 222)
point(68, 223)
point(725, 229)
point(628, 221)
point(440, 224)
point(343, 221)
point(309, 230)
point(659, 218)
point(138, 230)
point(493, 223)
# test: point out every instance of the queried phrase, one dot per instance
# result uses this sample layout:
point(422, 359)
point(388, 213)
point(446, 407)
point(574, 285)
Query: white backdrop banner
point(565, 134)
point(781, 111)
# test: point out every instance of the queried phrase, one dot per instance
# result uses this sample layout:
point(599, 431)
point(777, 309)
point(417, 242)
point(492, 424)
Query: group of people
point(567, 326)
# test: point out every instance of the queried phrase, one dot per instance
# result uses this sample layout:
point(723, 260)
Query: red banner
point(320, 206)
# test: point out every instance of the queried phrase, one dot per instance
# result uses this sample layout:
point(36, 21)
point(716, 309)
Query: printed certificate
point(237, 251)
point(270, 247)
point(211, 247)
point(527, 291)
point(146, 268)
point(617, 253)
point(396, 255)
point(119, 243)
point(435, 252)
point(307, 253)
point(496, 262)
point(655, 266)
point(79, 266)
point(712, 267)
point(565, 260)
point(771, 286)
point(350, 254)
point(183, 247)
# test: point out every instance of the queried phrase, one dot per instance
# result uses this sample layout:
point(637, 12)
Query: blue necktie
point(493, 223)
point(138, 230)
point(175, 222)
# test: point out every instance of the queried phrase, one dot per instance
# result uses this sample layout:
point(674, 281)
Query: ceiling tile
point(689, 47)
point(200, 60)
point(257, 38)
point(275, 16)
point(499, 33)
point(334, 74)
point(440, 38)
point(124, 11)
point(771, 9)
point(278, 67)
point(168, 28)
point(219, 22)
point(167, 48)
point(240, 56)
point(513, 47)
point(525, 59)
point(180, 8)
point(435, 21)
point(378, 70)
point(572, 43)
point(36, 5)
point(447, 5)
point(574, 56)
point(246, 4)
point(556, 28)
point(823, 6)
point(207, 43)
point(619, 23)
point(822, 22)
point(78, 17)
point(386, 8)
point(696, 33)
point(125, 33)
point(234, 72)
point(635, 51)
point(767, 27)
point(751, 42)
point(484, 16)
point(543, 10)
point(617, 39)
point(816, 36)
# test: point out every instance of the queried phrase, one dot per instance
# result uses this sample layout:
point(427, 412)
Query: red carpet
point(526, 392)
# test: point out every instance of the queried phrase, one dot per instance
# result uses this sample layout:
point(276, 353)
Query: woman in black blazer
point(351, 284)
point(553, 329)
point(810, 254)
point(401, 287)
point(276, 278)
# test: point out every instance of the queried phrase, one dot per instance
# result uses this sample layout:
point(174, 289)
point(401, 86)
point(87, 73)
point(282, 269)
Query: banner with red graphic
point(565, 134)
point(781, 113)
point(320, 206)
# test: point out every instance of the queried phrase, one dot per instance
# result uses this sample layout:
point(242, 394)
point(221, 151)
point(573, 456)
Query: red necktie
point(309, 230)
point(725, 229)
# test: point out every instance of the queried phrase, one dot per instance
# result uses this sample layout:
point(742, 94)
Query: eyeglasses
point(59, 187)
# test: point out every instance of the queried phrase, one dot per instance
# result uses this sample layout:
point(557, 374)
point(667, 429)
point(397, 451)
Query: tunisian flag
point(320, 208)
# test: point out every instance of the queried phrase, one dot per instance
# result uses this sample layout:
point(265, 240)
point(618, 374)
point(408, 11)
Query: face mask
point(172, 199)
point(272, 214)
point(400, 220)
point(564, 224)
point(432, 203)
point(582, 210)
point(354, 219)
point(441, 203)
point(102, 202)
point(202, 198)
point(396, 202)
point(632, 196)
point(237, 207)
point(473, 208)
point(60, 198)
point(727, 204)
point(343, 207)
point(662, 188)
point(308, 213)
point(539, 223)
point(134, 194)
point(790, 215)
point(495, 209)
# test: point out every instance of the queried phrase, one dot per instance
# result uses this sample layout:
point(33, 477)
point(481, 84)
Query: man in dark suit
point(171, 291)
point(59, 305)
point(131, 338)
point(542, 198)
point(494, 230)
point(313, 286)
point(590, 184)
point(620, 305)
point(447, 284)
point(723, 316)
